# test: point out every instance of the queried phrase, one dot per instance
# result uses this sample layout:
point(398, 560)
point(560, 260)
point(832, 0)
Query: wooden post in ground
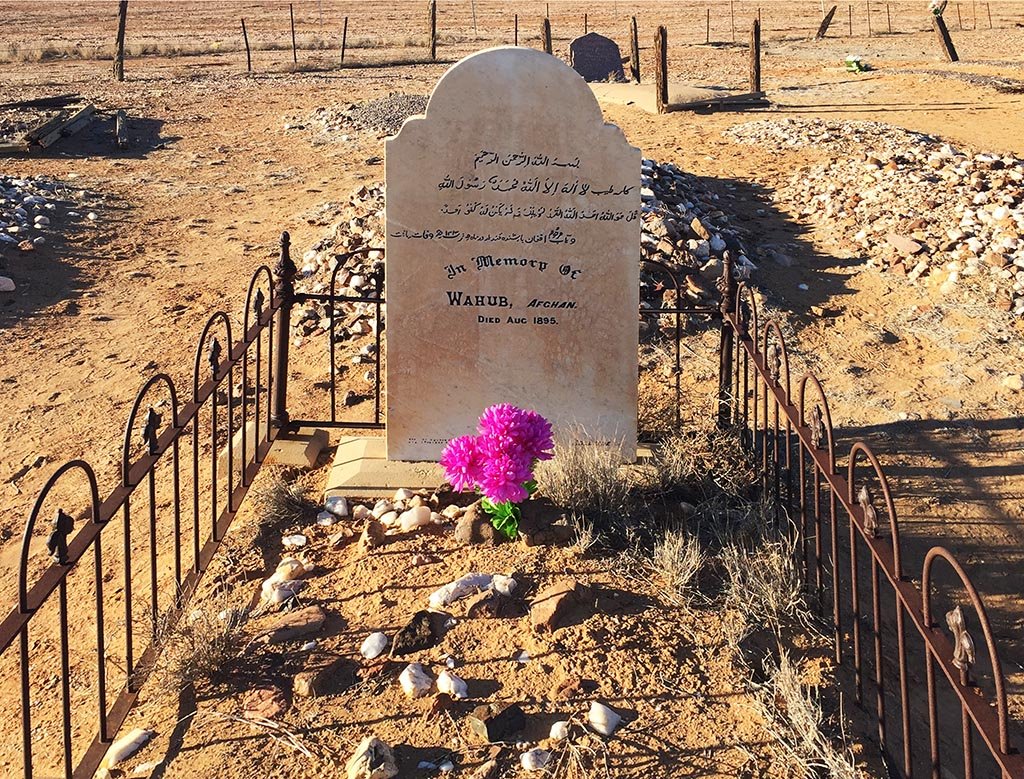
point(826, 22)
point(248, 55)
point(432, 18)
point(755, 56)
point(661, 69)
point(585, 30)
point(545, 35)
point(974, 14)
point(867, 4)
point(515, 33)
point(988, 7)
point(707, 28)
point(959, 17)
point(291, 15)
point(888, 18)
point(122, 20)
point(849, 12)
point(732, 18)
point(939, 24)
point(476, 32)
point(634, 52)
point(344, 39)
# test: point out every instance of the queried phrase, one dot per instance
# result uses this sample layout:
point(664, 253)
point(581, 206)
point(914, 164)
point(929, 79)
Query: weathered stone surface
point(543, 524)
point(267, 701)
point(549, 607)
point(596, 58)
point(497, 722)
point(373, 534)
point(373, 759)
point(904, 245)
point(294, 624)
point(494, 605)
point(512, 254)
point(473, 527)
point(424, 630)
point(322, 673)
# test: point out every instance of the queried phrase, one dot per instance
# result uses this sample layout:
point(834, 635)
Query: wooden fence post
point(661, 68)
point(516, 29)
point(823, 29)
point(939, 24)
point(432, 14)
point(634, 52)
point(585, 25)
point(707, 30)
point(867, 4)
point(291, 15)
point(545, 35)
point(959, 18)
point(248, 55)
point(344, 39)
point(988, 7)
point(888, 18)
point(122, 20)
point(849, 10)
point(755, 56)
point(732, 18)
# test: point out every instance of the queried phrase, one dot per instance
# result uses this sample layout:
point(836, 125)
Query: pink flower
point(462, 462)
point(503, 477)
point(536, 436)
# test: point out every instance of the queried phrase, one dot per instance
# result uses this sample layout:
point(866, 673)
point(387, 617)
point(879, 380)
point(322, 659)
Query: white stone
point(448, 682)
point(374, 645)
point(415, 680)
point(381, 507)
point(296, 541)
point(603, 719)
point(326, 519)
point(414, 518)
point(559, 730)
point(337, 505)
point(535, 760)
point(373, 759)
point(361, 513)
point(574, 364)
point(390, 519)
point(6, 284)
point(1014, 382)
point(403, 494)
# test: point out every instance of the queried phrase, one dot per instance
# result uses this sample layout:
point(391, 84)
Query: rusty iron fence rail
point(167, 563)
point(793, 438)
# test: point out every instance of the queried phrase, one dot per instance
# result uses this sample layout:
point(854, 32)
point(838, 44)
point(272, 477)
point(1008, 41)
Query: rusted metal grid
point(109, 616)
point(832, 512)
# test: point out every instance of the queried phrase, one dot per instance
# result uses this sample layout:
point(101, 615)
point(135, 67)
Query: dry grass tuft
point(712, 463)
point(795, 717)
point(285, 502)
point(586, 477)
point(677, 560)
point(199, 647)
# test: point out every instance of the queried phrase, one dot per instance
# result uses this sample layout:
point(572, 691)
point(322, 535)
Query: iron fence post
point(284, 290)
point(727, 288)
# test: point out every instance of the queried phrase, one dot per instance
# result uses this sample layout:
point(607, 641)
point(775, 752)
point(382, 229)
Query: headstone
point(596, 58)
point(512, 263)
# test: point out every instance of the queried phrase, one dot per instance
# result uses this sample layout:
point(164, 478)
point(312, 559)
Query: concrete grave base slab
point(643, 96)
point(361, 469)
point(298, 448)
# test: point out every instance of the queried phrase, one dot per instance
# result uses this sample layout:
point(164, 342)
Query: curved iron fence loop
point(160, 378)
point(780, 370)
point(30, 524)
point(821, 426)
point(255, 303)
point(941, 553)
point(218, 316)
point(854, 496)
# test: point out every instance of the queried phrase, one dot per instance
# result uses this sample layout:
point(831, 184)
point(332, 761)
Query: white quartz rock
point(414, 518)
point(450, 683)
point(403, 494)
point(337, 505)
point(535, 760)
point(468, 584)
point(415, 680)
point(559, 730)
point(602, 719)
point(373, 759)
point(374, 645)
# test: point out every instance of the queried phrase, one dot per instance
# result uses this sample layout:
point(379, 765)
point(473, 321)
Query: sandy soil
point(212, 177)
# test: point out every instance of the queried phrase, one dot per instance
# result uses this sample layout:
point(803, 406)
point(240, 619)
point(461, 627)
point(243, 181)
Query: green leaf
point(504, 517)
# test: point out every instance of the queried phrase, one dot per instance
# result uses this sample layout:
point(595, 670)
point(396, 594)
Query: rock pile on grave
point(31, 209)
point(683, 227)
point(912, 204)
point(383, 116)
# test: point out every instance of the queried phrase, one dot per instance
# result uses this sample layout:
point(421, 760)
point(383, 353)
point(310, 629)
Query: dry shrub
point(285, 502)
point(199, 647)
point(586, 477)
point(677, 559)
point(711, 463)
point(795, 717)
point(762, 583)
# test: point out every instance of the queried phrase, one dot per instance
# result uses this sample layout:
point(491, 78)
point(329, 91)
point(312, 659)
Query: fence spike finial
point(213, 357)
point(963, 644)
point(257, 304)
point(817, 425)
point(870, 514)
point(149, 432)
point(774, 359)
point(57, 543)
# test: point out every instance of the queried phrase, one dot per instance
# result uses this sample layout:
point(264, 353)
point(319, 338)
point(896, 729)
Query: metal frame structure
point(835, 519)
